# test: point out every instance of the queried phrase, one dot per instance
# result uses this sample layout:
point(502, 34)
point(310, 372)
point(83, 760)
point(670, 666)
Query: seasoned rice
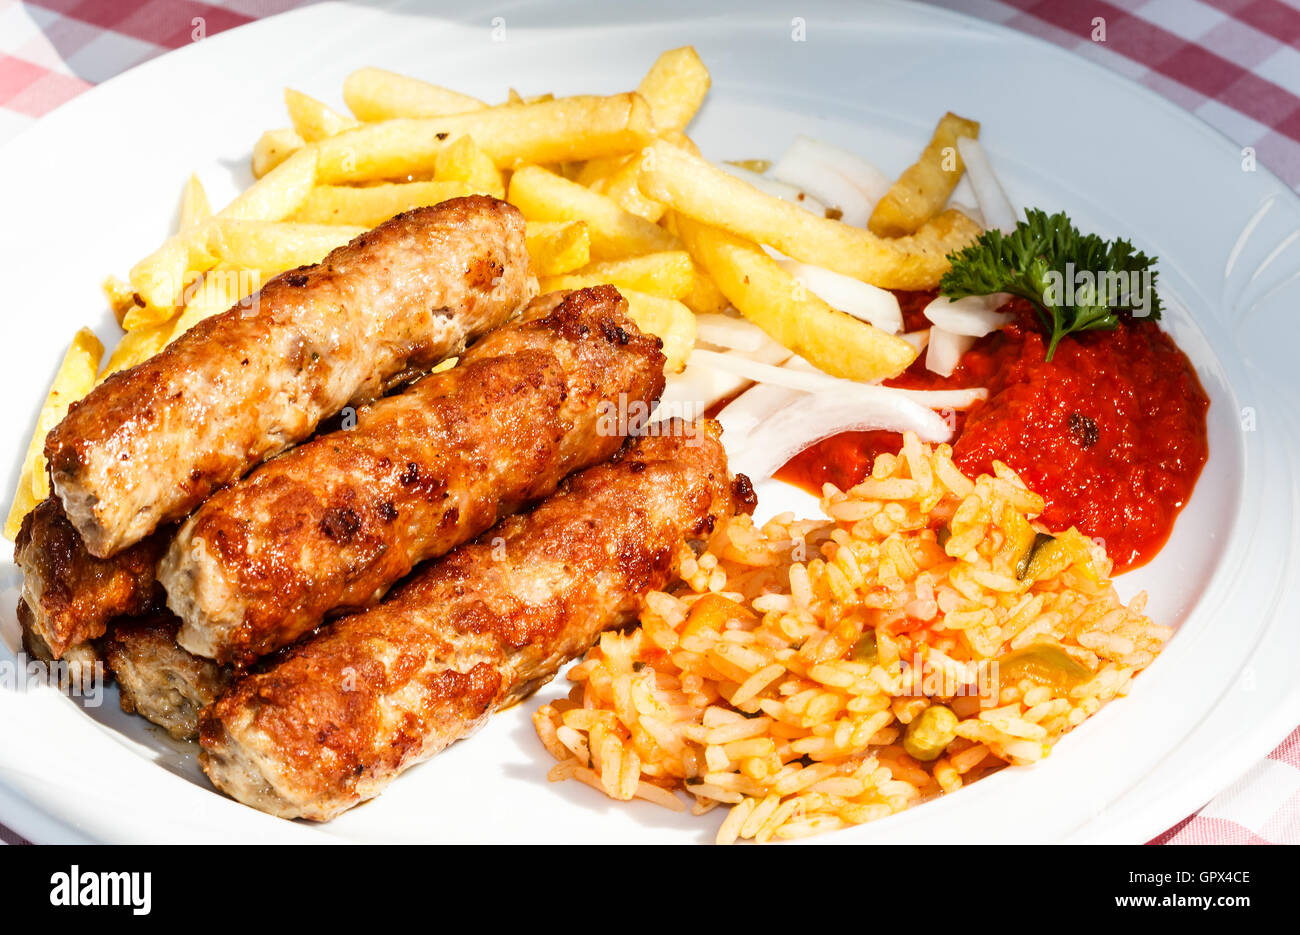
point(757, 684)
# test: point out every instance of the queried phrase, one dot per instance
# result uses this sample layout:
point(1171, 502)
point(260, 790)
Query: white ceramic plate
point(94, 186)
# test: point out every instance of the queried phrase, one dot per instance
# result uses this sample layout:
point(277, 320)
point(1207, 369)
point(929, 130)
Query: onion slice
point(747, 411)
point(863, 301)
point(945, 350)
point(973, 316)
point(993, 201)
point(918, 339)
point(729, 331)
point(819, 382)
point(775, 188)
point(800, 167)
point(809, 419)
point(866, 177)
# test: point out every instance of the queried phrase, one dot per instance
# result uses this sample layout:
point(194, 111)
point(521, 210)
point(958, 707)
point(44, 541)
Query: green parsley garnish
point(1077, 282)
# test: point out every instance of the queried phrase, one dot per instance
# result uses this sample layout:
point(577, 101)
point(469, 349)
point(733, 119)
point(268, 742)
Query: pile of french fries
point(613, 191)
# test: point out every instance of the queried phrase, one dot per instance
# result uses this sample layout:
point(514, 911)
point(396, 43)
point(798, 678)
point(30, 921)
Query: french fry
point(120, 296)
point(463, 161)
point(220, 290)
point(274, 147)
point(694, 188)
point(73, 380)
point(374, 94)
point(923, 188)
point(668, 275)
point(557, 247)
point(704, 297)
point(621, 186)
point(136, 347)
point(272, 245)
point(675, 87)
point(312, 119)
point(370, 205)
point(615, 233)
point(277, 194)
point(194, 204)
point(774, 300)
point(565, 129)
point(670, 320)
point(160, 278)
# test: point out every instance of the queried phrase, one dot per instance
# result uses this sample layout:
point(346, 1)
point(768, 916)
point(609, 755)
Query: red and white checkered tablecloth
point(1233, 63)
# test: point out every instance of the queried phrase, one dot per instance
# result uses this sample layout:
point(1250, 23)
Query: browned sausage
point(71, 594)
point(333, 523)
point(344, 712)
point(151, 443)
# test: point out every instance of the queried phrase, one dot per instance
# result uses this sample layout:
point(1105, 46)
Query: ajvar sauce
point(1111, 433)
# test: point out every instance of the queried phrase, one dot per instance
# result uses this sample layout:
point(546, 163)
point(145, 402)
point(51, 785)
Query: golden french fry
point(594, 172)
point(312, 119)
point(696, 189)
point(272, 245)
point(704, 297)
point(545, 196)
point(675, 87)
point(277, 194)
point(23, 503)
point(120, 295)
point(371, 205)
point(669, 275)
point(565, 129)
point(514, 97)
point(670, 320)
point(160, 278)
point(274, 147)
point(219, 291)
point(557, 247)
point(194, 204)
point(275, 245)
point(73, 380)
point(923, 188)
point(774, 300)
point(621, 186)
point(136, 347)
point(463, 161)
point(374, 94)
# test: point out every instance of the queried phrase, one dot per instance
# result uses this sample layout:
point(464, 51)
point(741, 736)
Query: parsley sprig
point(1077, 282)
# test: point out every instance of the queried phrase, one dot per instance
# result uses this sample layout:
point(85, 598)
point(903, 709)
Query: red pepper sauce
point(1111, 433)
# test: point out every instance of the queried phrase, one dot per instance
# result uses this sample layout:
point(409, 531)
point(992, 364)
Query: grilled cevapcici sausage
point(71, 595)
point(151, 443)
point(344, 712)
point(333, 523)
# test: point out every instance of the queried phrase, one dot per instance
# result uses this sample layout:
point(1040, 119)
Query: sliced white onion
point(945, 350)
point(918, 339)
point(698, 386)
point(962, 194)
point(866, 177)
point(819, 382)
point(743, 414)
point(729, 331)
point(861, 300)
point(774, 188)
point(973, 316)
point(801, 168)
point(994, 204)
point(811, 418)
